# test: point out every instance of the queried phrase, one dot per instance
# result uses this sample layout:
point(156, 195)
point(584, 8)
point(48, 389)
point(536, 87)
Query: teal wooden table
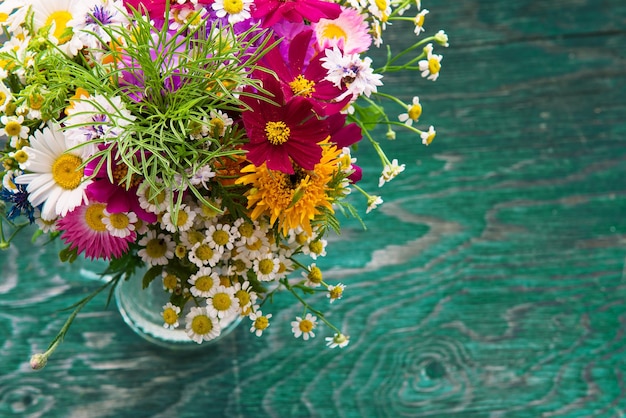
point(489, 284)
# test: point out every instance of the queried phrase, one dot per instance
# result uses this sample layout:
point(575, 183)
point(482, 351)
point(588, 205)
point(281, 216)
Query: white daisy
point(247, 297)
point(335, 292)
point(222, 236)
point(373, 202)
point(120, 224)
point(222, 303)
point(170, 316)
point(236, 10)
point(430, 66)
point(184, 219)
point(390, 171)
point(315, 248)
point(56, 178)
point(428, 136)
point(337, 340)
point(14, 128)
point(203, 282)
point(419, 21)
point(313, 276)
point(219, 122)
point(304, 326)
point(413, 112)
point(200, 326)
point(202, 254)
point(158, 248)
point(260, 322)
point(266, 267)
point(152, 200)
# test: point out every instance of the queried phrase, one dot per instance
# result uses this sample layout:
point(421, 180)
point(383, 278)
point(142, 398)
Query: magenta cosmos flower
point(272, 11)
point(280, 134)
point(155, 8)
point(306, 77)
point(84, 230)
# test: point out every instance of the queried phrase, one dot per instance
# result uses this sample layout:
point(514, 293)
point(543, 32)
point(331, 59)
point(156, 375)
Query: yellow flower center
point(182, 218)
point(246, 229)
point(419, 20)
point(154, 199)
point(221, 237)
point(254, 246)
point(94, 215)
point(180, 251)
point(60, 19)
point(306, 325)
point(434, 65)
point(277, 132)
point(194, 237)
point(66, 171)
point(233, 7)
point(261, 323)
point(239, 265)
point(381, 4)
point(21, 156)
point(201, 324)
point(119, 220)
point(170, 316)
point(430, 138)
point(204, 283)
point(316, 247)
point(415, 111)
point(302, 238)
point(222, 301)
point(300, 86)
point(218, 126)
point(156, 248)
point(266, 266)
point(3, 17)
point(3, 95)
point(13, 128)
point(243, 296)
point(204, 252)
point(336, 292)
point(170, 281)
point(334, 31)
point(315, 275)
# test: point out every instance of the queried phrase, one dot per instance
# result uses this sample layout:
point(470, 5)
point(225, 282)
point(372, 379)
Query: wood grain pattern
point(489, 284)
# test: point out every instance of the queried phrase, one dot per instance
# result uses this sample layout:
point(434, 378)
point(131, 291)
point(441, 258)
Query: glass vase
point(141, 309)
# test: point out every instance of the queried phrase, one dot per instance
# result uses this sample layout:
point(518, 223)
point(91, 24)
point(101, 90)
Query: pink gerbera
point(272, 11)
point(349, 32)
point(280, 134)
point(119, 196)
point(84, 230)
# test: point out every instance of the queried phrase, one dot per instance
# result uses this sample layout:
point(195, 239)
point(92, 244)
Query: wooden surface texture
point(490, 283)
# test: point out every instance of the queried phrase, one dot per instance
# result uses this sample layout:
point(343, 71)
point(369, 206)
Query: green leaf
point(150, 275)
point(369, 116)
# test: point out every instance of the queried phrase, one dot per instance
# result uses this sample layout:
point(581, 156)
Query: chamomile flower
point(413, 112)
point(428, 136)
point(154, 201)
point(266, 267)
point(46, 225)
point(335, 292)
point(419, 21)
point(236, 10)
point(373, 202)
point(222, 303)
point(222, 236)
point(56, 177)
point(313, 276)
point(442, 39)
point(200, 326)
point(120, 224)
point(170, 316)
point(184, 219)
point(14, 128)
point(260, 322)
point(430, 66)
point(390, 171)
point(158, 248)
point(247, 297)
point(315, 248)
point(170, 281)
point(203, 282)
point(304, 326)
point(337, 340)
point(202, 254)
point(219, 122)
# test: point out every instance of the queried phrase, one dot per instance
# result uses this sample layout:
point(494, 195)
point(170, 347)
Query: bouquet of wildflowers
point(210, 141)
